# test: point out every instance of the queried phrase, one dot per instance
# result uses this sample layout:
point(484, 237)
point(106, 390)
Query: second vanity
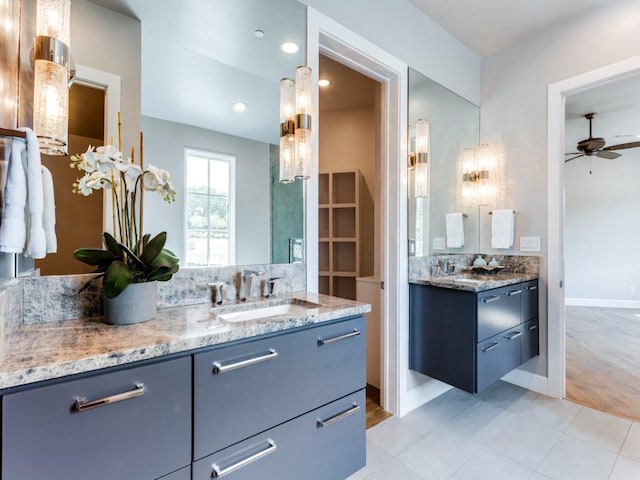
point(187, 396)
point(469, 330)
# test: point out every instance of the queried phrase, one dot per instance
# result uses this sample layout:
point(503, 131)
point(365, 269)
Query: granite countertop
point(473, 282)
point(32, 353)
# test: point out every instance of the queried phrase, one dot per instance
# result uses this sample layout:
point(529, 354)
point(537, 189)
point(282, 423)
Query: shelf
point(343, 205)
point(324, 285)
point(344, 257)
point(345, 274)
point(324, 225)
point(344, 223)
point(324, 195)
point(323, 257)
point(343, 187)
point(344, 287)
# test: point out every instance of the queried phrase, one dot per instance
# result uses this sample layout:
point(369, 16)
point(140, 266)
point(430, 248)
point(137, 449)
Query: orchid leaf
point(112, 245)
point(132, 257)
point(118, 276)
point(94, 256)
point(153, 248)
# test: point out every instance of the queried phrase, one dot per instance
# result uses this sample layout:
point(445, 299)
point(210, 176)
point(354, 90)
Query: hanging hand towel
point(36, 239)
point(502, 223)
point(13, 231)
point(455, 230)
point(49, 211)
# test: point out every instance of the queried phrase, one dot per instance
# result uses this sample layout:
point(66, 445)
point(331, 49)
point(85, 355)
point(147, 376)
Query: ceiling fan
point(596, 146)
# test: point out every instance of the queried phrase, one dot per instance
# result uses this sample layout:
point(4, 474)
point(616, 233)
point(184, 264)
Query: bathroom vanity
point(469, 331)
point(187, 396)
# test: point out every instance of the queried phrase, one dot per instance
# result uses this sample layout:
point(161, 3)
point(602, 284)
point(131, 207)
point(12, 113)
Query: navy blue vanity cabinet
point(121, 425)
point(327, 443)
point(248, 388)
point(468, 339)
point(182, 474)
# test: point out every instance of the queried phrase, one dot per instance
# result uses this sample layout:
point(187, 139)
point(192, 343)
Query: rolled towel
point(13, 232)
point(36, 239)
point(49, 211)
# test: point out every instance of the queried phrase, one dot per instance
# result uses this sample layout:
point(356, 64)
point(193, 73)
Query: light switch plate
point(530, 244)
point(439, 243)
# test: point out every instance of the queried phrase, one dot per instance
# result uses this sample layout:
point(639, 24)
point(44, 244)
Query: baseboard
point(528, 380)
point(600, 302)
point(422, 394)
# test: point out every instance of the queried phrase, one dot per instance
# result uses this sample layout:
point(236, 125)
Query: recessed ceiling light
point(323, 82)
point(239, 106)
point(289, 47)
point(259, 33)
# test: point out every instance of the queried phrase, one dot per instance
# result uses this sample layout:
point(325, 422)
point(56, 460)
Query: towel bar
point(9, 132)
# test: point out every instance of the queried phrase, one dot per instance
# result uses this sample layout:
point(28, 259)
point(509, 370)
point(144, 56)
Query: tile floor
point(506, 433)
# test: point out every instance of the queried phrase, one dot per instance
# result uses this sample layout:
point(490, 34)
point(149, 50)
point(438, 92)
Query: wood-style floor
point(375, 413)
point(603, 359)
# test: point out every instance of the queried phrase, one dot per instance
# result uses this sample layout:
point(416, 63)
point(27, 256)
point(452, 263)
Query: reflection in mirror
point(454, 125)
point(214, 54)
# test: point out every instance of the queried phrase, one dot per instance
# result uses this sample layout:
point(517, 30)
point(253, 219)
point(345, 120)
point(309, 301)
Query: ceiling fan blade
point(573, 153)
point(608, 155)
point(622, 146)
point(573, 158)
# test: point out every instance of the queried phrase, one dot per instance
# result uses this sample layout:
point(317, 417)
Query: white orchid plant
point(134, 257)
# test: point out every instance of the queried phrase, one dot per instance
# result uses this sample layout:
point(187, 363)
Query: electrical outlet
point(529, 244)
point(632, 290)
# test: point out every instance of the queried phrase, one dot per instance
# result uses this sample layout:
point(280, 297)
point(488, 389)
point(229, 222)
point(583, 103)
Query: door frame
point(334, 40)
point(557, 92)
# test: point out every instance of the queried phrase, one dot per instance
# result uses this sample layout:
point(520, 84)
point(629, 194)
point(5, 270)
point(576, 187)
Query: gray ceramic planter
point(138, 303)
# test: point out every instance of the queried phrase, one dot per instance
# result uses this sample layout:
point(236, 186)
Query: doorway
point(349, 203)
point(601, 199)
point(557, 94)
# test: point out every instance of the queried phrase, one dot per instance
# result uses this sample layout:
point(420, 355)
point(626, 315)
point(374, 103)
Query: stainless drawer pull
point(494, 298)
point(219, 368)
point(82, 404)
point(514, 335)
point(335, 418)
point(533, 327)
point(221, 472)
point(490, 347)
point(329, 341)
point(533, 287)
point(514, 292)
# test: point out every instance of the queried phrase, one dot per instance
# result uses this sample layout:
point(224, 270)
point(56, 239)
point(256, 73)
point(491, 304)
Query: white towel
point(49, 211)
point(502, 223)
point(36, 239)
point(13, 233)
point(454, 223)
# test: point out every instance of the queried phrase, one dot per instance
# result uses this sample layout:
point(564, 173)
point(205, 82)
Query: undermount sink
point(469, 280)
point(294, 308)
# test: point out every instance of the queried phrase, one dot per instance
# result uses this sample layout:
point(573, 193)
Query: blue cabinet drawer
point(182, 474)
point(497, 356)
point(529, 300)
point(248, 388)
point(328, 443)
point(123, 425)
point(498, 310)
point(530, 340)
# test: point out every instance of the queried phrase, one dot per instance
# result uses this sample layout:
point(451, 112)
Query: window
point(210, 212)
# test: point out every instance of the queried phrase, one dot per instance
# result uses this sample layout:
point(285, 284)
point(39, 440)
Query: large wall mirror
point(197, 61)
point(454, 126)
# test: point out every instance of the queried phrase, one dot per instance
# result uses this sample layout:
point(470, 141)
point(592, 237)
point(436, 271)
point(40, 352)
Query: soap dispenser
point(479, 262)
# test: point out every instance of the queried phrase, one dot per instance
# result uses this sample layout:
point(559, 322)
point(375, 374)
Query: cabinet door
point(129, 424)
point(529, 300)
point(182, 474)
point(498, 310)
point(248, 388)
point(530, 340)
point(325, 444)
point(497, 356)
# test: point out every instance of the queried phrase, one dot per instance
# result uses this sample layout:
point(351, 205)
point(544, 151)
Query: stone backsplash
point(421, 266)
point(54, 298)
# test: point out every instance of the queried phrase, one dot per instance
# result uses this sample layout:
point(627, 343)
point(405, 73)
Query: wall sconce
point(478, 165)
point(52, 67)
point(295, 126)
point(419, 160)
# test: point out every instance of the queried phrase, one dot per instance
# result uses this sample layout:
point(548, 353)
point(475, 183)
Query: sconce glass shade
point(51, 107)
point(287, 130)
point(421, 178)
point(485, 157)
point(53, 19)
point(422, 136)
point(304, 107)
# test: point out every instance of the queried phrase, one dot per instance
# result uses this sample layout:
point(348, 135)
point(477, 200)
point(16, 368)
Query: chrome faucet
point(247, 278)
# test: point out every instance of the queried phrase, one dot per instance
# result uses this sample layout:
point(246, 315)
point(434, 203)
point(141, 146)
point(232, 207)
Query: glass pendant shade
point(287, 129)
point(422, 136)
point(303, 122)
point(287, 160)
point(51, 107)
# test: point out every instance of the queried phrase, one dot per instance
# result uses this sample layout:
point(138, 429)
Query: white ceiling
point(487, 26)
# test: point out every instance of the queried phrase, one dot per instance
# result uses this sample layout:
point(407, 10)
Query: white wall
point(111, 42)
point(514, 109)
point(405, 32)
point(164, 147)
point(601, 228)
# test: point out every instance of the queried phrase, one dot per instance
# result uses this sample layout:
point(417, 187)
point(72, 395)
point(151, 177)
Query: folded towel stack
point(454, 224)
point(502, 226)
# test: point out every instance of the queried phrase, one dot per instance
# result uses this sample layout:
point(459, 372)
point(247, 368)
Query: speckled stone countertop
point(32, 353)
point(472, 282)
